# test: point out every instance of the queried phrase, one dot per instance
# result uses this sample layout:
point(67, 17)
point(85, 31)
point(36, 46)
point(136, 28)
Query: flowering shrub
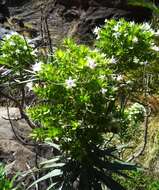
point(136, 112)
point(16, 57)
point(132, 51)
point(16, 53)
point(77, 96)
point(85, 93)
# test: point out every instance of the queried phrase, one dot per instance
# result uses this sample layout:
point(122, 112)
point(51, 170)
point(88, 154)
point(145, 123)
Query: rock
point(95, 16)
point(12, 152)
point(79, 16)
point(4, 12)
point(19, 155)
point(15, 3)
point(85, 4)
point(5, 128)
point(74, 3)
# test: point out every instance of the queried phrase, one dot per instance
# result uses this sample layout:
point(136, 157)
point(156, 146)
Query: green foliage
point(16, 56)
point(132, 120)
point(79, 100)
point(67, 173)
point(5, 183)
point(85, 93)
point(124, 43)
point(139, 180)
point(16, 53)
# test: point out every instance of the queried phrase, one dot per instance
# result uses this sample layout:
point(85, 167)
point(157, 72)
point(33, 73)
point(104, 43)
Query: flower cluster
point(131, 49)
point(16, 53)
point(136, 112)
point(77, 85)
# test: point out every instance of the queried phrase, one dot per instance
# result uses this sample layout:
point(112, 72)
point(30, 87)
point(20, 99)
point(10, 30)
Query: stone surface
point(95, 16)
point(13, 152)
point(75, 17)
point(4, 12)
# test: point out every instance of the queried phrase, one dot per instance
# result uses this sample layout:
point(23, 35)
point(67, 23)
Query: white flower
point(112, 60)
point(136, 60)
point(29, 85)
point(103, 90)
point(146, 26)
point(113, 76)
point(132, 23)
point(119, 78)
point(102, 77)
point(70, 82)
point(103, 55)
point(126, 34)
point(96, 30)
point(116, 28)
point(116, 34)
point(32, 45)
point(91, 63)
point(155, 48)
point(17, 51)
point(34, 52)
point(135, 40)
point(4, 55)
point(11, 43)
point(37, 66)
point(144, 63)
point(25, 47)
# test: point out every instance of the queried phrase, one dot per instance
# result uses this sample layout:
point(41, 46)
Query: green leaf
point(51, 174)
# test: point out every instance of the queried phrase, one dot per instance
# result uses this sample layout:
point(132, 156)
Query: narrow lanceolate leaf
point(56, 146)
point(54, 165)
point(51, 174)
point(108, 181)
point(55, 159)
point(51, 186)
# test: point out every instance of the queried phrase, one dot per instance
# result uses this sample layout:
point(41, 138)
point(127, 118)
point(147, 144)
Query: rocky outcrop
point(13, 153)
point(95, 16)
point(75, 17)
point(17, 151)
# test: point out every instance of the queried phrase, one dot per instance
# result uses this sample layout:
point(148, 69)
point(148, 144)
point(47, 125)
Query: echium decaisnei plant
point(133, 53)
point(86, 93)
point(16, 56)
point(78, 104)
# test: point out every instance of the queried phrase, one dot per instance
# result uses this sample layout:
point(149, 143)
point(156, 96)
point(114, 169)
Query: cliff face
point(74, 17)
